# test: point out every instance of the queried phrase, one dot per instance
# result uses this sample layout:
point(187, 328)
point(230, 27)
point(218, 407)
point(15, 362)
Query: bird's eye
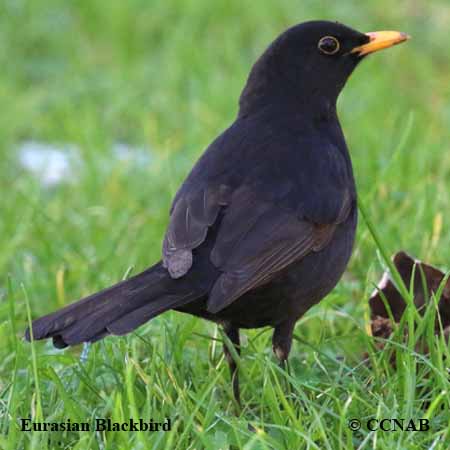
point(329, 45)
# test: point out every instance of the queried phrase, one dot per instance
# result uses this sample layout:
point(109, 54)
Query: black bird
point(263, 226)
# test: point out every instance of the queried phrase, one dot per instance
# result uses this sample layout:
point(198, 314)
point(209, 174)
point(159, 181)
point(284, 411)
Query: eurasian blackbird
point(264, 225)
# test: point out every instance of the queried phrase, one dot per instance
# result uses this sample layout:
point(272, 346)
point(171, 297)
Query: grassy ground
point(165, 76)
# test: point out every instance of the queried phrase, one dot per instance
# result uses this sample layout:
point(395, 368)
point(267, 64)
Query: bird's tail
point(115, 310)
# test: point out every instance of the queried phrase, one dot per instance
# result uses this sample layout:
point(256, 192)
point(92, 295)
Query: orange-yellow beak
point(380, 40)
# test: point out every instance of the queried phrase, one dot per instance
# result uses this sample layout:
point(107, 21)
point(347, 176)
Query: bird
point(264, 225)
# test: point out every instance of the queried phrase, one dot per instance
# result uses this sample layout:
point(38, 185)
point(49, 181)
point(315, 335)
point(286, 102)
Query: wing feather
point(191, 216)
point(275, 240)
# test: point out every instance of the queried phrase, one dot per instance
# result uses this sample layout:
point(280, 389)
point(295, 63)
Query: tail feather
point(115, 310)
point(139, 316)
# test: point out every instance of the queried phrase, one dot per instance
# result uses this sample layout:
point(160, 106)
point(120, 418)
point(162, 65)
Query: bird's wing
point(258, 239)
point(191, 216)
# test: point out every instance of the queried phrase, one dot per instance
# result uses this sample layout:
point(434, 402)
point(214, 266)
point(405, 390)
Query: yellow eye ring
point(329, 45)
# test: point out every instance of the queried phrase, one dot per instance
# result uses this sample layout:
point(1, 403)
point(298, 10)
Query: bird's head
point(311, 62)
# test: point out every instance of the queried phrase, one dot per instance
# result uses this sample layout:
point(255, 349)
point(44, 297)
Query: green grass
point(166, 75)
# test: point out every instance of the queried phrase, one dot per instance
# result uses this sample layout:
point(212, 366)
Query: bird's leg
point(282, 343)
point(282, 340)
point(232, 333)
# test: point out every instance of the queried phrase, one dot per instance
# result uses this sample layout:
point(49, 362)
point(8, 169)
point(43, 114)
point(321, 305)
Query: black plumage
point(264, 225)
